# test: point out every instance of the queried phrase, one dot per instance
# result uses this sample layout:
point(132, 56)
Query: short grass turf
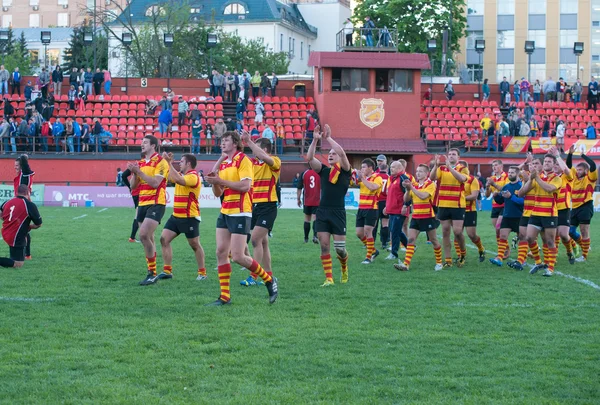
point(77, 328)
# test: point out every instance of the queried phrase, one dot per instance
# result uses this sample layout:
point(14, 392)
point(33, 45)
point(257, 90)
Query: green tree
point(78, 54)
point(22, 49)
point(8, 47)
point(13, 56)
point(417, 21)
point(252, 54)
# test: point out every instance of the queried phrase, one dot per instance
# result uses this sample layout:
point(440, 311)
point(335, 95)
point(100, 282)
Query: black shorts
point(583, 214)
point(238, 225)
point(424, 225)
point(366, 218)
point(263, 215)
point(524, 221)
point(154, 212)
point(564, 217)
point(136, 200)
point(17, 253)
point(511, 223)
point(188, 226)
point(454, 214)
point(380, 207)
point(331, 220)
point(308, 210)
point(470, 219)
point(543, 222)
point(496, 212)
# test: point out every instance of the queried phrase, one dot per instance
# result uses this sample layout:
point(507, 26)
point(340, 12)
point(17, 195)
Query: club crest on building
point(371, 112)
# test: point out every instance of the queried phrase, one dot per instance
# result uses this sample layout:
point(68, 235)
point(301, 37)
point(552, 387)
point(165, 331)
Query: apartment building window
point(475, 73)
point(539, 36)
point(568, 71)
point(472, 36)
point(567, 37)
point(349, 79)
point(6, 3)
point(235, 8)
point(34, 21)
point(62, 19)
point(475, 7)
point(36, 2)
point(506, 7)
point(393, 81)
point(537, 6)
point(569, 6)
point(538, 72)
point(90, 3)
point(6, 21)
point(506, 70)
point(506, 39)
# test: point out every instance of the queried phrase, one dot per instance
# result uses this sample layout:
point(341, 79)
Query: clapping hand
point(407, 184)
point(133, 167)
point(168, 156)
point(246, 137)
point(317, 133)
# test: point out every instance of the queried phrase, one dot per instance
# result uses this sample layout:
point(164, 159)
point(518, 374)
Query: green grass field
point(76, 328)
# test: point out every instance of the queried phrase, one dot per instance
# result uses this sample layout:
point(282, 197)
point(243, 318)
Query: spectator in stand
point(549, 89)
point(529, 111)
point(254, 134)
point(560, 136)
point(211, 84)
point(107, 81)
point(427, 95)
point(196, 129)
point(503, 130)
point(268, 134)
point(151, 106)
point(265, 84)
point(86, 136)
point(568, 94)
point(5, 135)
point(51, 101)
point(239, 81)
point(490, 134)
point(88, 78)
point(22, 130)
point(230, 84)
point(561, 87)
point(27, 91)
point(525, 85)
point(485, 124)
point(504, 90)
point(231, 124)
point(259, 110)
point(517, 91)
point(310, 126)
point(164, 103)
point(537, 90)
point(449, 90)
point(274, 83)
point(182, 110)
point(348, 31)
point(280, 133)
point(4, 76)
point(46, 111)
point(218, 132)
point(592, 96)
point(69, 133)
point(82, 78)
point(524, 129)
point(81, 99)
point(57, 79)
point(590, 131)
point(246, 88)
point(486, 90)
point(242, 92)
point(577, 89)
point(546, 127)
point(240, 109)
point(77, 136)
point(209, 138)
point(74, 78)
point(218, 80)
point(16, 82)
point(165, 119)
point(194, 113)
point(43, 82)
point(72, 95)
point(170, 97)
point(533, 126)
point(58, 131)
point(255, 84)
point(367, 30)
point(9, 110)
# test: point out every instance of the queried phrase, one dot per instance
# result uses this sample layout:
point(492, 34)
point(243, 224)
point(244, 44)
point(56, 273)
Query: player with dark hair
point(395, 208)
point(18, 213)
point(151, 174)
point(370, 186)
point(24, 176)
point(331, 214)
point(563, 204)
point(494, 184)
point(309, 197)
point(234, 182)
point(135, 196)
point(472, 190)
point(267, 169)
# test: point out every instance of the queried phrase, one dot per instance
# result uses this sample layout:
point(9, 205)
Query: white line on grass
point(103, 209)
point(81, 216)
point(26, 299)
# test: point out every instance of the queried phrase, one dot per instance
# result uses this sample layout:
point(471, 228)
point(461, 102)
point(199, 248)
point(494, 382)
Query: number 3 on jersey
point(312, 181)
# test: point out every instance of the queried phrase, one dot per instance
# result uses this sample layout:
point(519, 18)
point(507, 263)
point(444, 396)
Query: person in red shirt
point(309, 197)
point(24, 176)
point(17, 215)
point(395, 207)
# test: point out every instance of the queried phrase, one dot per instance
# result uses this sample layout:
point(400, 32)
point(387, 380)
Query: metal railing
point(367, 39)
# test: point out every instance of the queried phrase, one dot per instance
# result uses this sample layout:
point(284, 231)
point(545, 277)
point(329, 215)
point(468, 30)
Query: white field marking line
point(81, 216)
point(26, 299)
point(102, 210)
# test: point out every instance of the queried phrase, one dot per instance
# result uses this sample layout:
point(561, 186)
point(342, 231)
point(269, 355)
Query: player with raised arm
point(511, 214)
point(585, 177)
point(546, 186)
point(492, 188)
point(186, 214)
point(233, 182)
point(472, 190)
point(370, 186)
point(420, 194)
point(451, 202)
point(151, 174)
point(18, 213)
point(564, 204)
point(331, 215)
point(267, 169)
point(24, 176)
point(309, 197)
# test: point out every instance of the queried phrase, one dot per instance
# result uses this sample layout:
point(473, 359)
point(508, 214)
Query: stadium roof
point(209, 10)
point(369, 60)
point(399, 146)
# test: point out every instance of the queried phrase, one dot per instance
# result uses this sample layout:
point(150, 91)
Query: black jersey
point(334, 195)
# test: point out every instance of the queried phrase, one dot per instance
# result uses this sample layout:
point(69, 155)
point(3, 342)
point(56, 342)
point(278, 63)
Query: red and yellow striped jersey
point(564, 196)
point(185, 204)
point(501, 181)
point(451, 192)
point(471, 185)
point(528, 199)
point(265, 180)
point(583, 189)
point(236, 203)
point(423, 208)
point(545, 202)
point(155, 166)
point(368, 198)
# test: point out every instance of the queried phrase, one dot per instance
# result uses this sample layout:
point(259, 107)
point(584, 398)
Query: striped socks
point(257, 269)
point(410, 251)
point(326, 262)
point(151, 262)
point(522, 252)
point(438, 255)
point(224, 271)
point(585, 247)
point(502, 246)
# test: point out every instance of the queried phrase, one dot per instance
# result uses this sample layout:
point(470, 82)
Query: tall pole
point(529, 67)
point(169, 70)
point(126, 71)
point(431, 92)
point(577, 66)
point(94, 36)
point(479, 78)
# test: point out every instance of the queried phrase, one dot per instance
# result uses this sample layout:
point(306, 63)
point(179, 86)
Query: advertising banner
point(540, 146)
point(7, 191)
point(516, 144)
point(590, 147)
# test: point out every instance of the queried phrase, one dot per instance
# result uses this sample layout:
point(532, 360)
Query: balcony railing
point(367, 40)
